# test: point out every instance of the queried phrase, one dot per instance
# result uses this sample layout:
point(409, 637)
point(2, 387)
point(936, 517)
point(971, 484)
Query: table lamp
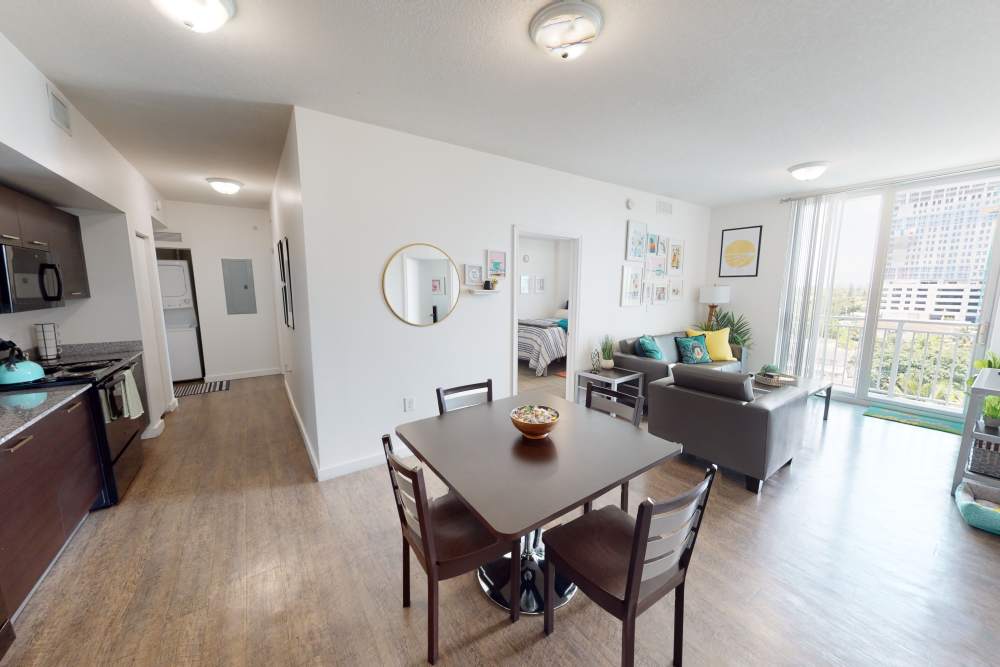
point(713, 296)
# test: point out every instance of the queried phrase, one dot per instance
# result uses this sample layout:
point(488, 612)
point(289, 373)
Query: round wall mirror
point(420, 284)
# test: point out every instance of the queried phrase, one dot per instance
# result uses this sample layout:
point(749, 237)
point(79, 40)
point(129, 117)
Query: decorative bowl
point(534, 421)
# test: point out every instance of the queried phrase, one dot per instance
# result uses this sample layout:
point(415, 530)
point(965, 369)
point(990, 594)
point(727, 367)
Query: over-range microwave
point(30, 280)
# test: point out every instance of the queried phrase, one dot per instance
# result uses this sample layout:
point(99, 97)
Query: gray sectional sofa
point(725, 419)
point(655, 369)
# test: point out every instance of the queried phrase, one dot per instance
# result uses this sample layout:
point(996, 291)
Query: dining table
point(516, 485)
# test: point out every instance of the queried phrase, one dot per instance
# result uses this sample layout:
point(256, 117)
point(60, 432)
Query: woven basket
point(778, 381)
point(985, 458)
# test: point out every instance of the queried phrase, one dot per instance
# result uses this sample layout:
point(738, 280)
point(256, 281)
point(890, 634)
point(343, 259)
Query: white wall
point(543, 261)
point(234, 346)
point(367, 190)
point(295, 345)
point(758, 298)
point(89, 161)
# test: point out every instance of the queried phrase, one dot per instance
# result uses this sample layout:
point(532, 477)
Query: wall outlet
point(407, 404)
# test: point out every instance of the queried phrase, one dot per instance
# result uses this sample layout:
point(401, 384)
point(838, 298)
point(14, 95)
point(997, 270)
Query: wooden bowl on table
point(534, 421)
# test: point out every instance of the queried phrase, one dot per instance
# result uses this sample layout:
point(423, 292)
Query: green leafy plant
point(991, 407)
point(607, 348)
point(991, 360)
point(768, 368)
point(740, 332)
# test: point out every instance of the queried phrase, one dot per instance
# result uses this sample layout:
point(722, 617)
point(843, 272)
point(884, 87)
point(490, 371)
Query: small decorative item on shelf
point(607, 353)
point(488, 284)
point(534, 421)
point(595, 360)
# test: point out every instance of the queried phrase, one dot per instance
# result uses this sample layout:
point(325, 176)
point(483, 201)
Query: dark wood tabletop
point(515, 484)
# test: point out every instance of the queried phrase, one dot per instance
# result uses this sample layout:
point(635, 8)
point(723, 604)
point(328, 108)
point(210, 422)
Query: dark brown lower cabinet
point(6, 628)
point(49, 478)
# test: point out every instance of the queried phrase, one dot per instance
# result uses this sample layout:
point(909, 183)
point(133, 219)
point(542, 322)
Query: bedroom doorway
point(545, 283)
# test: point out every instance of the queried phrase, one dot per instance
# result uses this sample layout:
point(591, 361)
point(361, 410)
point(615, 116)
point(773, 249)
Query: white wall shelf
point(987, 384)
point(482, 291)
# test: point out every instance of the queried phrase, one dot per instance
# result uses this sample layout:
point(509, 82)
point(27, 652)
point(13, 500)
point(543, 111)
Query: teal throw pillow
point(693, 350)
point(564, 323)
point(648, 347)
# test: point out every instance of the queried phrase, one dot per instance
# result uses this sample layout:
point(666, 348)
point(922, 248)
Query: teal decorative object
point(693, 350)
point(23, 400)
point(979, 506)
point(769, 368)
point(648, 347)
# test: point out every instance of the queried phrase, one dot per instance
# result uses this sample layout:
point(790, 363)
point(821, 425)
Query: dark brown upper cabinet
point(47, 228)
point(10, 228)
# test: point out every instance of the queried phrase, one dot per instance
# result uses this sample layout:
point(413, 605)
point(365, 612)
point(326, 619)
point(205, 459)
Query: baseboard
point(172, 405)
point(302, 431)
point(154, 430)
point(241, 375)
point(348, 467)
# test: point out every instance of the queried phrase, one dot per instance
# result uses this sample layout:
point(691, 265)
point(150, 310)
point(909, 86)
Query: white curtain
point(808, 286)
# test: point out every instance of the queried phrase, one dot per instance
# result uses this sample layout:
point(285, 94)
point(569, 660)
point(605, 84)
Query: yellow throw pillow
point(717, 343)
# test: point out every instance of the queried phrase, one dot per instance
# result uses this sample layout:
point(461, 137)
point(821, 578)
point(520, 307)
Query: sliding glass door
point(897, 290)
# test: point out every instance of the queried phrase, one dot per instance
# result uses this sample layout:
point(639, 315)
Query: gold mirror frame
point(458, 286)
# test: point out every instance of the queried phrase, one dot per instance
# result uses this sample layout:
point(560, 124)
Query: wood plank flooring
point(225, 552)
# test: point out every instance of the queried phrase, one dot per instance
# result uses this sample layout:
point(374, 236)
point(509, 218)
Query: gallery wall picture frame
point(676, 292)
point(474, 274)
point(661, 293)
point(632, 285)
point(675, 258)
point(652, 244)
point(661, 249)
point(438, 286)
point(539, 284)
point(739, 252)
point(525, 284)
point(635, 241)
point(496, 263)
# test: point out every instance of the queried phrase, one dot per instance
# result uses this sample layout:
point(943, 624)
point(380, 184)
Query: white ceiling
point(705, 101)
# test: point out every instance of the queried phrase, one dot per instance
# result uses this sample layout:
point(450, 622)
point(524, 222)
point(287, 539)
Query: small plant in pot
point(607, 352)
point(991, 411)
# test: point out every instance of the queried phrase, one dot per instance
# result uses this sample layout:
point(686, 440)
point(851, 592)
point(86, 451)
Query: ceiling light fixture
point(566, 28)
point(198, 15)
point(225, 186)
point(808, 171)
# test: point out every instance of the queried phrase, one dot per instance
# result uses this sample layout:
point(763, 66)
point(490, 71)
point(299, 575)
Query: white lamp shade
point(716, 294)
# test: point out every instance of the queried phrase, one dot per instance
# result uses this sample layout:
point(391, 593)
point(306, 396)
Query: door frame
point(575, 290)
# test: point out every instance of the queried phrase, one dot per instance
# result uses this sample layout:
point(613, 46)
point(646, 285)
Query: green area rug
point(923, 421)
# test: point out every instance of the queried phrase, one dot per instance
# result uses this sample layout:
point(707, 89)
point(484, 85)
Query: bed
point(540, 342)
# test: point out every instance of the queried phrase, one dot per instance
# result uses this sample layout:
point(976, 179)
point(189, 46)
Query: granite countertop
point(21, 409)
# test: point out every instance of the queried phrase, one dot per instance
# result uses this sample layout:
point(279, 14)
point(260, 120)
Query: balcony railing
point(921, 361)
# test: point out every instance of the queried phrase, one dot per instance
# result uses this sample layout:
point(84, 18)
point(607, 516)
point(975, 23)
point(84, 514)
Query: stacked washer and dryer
point(181, 317)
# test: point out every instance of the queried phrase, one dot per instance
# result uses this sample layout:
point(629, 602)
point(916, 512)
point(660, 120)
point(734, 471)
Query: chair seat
point(598, 547)
point(458, 533)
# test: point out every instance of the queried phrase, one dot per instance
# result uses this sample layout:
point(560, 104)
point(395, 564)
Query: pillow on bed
point(564, 323)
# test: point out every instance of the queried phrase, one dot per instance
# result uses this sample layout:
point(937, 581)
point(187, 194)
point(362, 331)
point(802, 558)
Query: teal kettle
point(16, 369)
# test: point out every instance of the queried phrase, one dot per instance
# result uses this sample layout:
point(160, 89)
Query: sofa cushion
point(692, 350)
point(717, 342)
point(665, 341)
point(720, 383)
point(647, 347)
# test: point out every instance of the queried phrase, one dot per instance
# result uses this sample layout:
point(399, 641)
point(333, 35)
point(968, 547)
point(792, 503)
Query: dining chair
point(447, 539)
point(618, 404)
point(625, 565)
point(456, 398)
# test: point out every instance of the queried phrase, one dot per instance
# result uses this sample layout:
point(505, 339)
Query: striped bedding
point(540, 345)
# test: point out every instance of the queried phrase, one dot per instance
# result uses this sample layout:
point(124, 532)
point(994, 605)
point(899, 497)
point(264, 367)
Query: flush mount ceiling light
point(225, 186)
point(566, 28)
point(198, 15)
point(808, 171)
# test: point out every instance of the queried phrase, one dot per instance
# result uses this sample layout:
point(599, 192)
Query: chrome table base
point(494, 578)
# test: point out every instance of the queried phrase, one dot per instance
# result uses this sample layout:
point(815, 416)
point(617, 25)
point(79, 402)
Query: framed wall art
point(675, 258)
point(631, 285)
point(635, 241)
point(496, 263)
point(739, 252)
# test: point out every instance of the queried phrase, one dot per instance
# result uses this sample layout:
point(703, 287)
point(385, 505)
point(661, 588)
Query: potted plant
point(991, 411)
point(740, 332)
point(607, 353)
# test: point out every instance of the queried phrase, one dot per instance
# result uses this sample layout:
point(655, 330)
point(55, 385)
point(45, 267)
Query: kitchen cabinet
point(66, 245)
point(39, 225)
point(49, 478)
point(6, 628)
point(10, 228)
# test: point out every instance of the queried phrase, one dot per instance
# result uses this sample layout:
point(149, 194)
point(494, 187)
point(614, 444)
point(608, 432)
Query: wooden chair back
point(665, 535)
point(615, 403)
point(456, 398)
point(410, 493)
